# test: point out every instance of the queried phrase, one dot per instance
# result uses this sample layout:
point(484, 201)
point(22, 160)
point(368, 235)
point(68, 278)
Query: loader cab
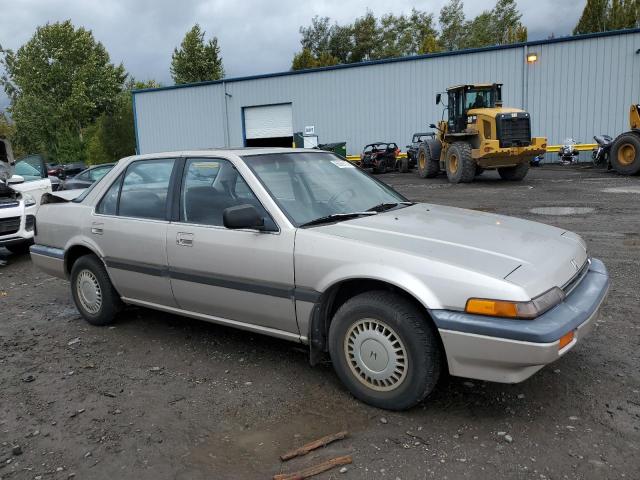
point(462, 98)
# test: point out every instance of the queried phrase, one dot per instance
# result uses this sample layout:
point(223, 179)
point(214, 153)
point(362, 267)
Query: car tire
point(459, 164)
point(404, 165)
point(385, 324)
point(625, 154)
point(19, 248)
point(380, 167)
point(516, 173)
point(93, 293)
point(428, 160)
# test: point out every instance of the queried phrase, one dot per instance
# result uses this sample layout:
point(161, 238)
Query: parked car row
point(23, 182)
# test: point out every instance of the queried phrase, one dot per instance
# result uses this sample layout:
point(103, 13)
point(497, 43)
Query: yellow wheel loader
point(479, 134)
point(624, 156)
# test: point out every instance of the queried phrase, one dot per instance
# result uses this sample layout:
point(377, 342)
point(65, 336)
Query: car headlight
point(524, 310)
point(29, 201)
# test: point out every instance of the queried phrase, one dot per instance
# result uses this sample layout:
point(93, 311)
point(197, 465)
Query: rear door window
point(145, 189)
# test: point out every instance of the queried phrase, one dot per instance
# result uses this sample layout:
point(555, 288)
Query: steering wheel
point(348, 194)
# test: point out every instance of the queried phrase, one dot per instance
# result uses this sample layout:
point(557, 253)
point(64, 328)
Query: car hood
point(529, 254)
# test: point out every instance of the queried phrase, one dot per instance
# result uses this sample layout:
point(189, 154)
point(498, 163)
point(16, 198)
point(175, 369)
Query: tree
point(480, 31)
point(58, 83)
point(316, 37)
point(196, 60)
point(423, 34)
point(623, 14)
point(112, 137)
point(303, 60)
point(593, 18)
point(605, 15)
point(452, 25)
point(505, 25)
point(341, 43)
point(366, 38)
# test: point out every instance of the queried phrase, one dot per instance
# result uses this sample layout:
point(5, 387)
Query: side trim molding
point(271, 289)
point(47, 251)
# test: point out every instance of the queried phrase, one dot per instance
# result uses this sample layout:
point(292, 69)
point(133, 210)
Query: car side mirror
point(438, 98)
point(15, 179)
point(242, 216)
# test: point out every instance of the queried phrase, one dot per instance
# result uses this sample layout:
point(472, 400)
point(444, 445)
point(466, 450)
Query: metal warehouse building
point(578, 87)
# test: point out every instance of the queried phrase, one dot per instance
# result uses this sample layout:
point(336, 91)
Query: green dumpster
point(339, 148)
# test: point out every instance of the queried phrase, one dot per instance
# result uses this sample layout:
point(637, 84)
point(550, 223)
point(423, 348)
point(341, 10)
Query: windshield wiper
point(337, 217)
point(387, 206)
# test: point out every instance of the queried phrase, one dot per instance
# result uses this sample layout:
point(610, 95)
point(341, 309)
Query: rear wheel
point(460, 165)
point(625, 154)
point(94, 295)
point(380, 167)
point(404, 165)
point(516, 173)
point(384, 350)
point(428, 161)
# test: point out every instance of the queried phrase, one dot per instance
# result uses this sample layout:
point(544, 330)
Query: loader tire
point(429, 159)
point(460, 165)
point(516, 173)
point(625, 154)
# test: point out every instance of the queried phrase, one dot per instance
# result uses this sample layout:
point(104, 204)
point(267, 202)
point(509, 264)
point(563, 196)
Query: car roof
point(377, 143)
point(213, 152)
point(424, 133)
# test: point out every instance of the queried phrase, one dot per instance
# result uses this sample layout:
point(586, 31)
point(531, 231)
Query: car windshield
point(308, 186)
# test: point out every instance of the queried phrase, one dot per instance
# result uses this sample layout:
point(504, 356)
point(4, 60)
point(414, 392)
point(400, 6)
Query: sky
point(255, 36)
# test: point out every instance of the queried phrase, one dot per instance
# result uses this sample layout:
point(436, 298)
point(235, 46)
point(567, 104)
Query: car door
point(130, 226)
point(243, 276)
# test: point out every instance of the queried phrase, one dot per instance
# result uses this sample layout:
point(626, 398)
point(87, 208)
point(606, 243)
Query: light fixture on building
point(532, 57)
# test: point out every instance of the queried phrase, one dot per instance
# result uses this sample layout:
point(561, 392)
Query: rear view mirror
point(438, 98)
point(242, 216)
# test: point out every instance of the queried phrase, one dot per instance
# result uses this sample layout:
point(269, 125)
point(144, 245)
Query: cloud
point(256, 36)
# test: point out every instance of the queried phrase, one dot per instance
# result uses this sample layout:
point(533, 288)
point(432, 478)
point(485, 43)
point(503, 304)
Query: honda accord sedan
point(301, 245)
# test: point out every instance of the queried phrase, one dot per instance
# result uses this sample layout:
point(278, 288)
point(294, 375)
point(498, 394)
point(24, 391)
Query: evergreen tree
point(196, 60)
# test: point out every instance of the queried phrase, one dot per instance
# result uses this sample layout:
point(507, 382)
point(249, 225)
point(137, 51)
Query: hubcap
point(89, 291)
point(453, 163)
point(626, 154)
point(376, 355)
point(422, 160)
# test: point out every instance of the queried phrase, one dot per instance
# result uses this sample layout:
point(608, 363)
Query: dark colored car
point(381, 157)
point(88, 177)
point(65, 171)
point(412, 149)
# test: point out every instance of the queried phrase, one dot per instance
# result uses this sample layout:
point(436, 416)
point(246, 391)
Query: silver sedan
point(301, 245)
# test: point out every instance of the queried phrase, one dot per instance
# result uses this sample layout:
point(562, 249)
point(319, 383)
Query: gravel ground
point(163, 397)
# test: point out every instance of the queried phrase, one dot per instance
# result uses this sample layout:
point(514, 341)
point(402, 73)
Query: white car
point(22, 184)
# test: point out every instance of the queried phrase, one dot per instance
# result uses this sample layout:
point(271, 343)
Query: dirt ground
point(163, 397)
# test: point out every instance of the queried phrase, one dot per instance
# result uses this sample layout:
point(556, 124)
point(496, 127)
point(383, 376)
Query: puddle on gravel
point(561, 210)
point(630, 189)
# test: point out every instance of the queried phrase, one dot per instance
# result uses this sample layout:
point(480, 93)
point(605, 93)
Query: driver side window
point(210, 186)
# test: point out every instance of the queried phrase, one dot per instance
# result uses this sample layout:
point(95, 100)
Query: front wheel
point(625, 154)
point(384, 350)
point(94, 295)
point(459, 163)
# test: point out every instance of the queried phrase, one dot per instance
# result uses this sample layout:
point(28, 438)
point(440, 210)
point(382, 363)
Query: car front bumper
point(24, 233)
point(510, 351)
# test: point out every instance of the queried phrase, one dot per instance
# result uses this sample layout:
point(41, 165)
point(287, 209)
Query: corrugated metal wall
point(577, 88)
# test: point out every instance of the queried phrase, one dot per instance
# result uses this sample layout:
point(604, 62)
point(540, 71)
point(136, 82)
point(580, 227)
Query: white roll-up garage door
point(268, 121)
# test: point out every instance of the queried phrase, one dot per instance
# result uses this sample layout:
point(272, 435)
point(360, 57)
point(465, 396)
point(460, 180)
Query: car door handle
point(184, 239)
point(96, 228)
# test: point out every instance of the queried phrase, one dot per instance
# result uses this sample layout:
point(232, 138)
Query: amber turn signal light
point(494, 308)
point(565, 340)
